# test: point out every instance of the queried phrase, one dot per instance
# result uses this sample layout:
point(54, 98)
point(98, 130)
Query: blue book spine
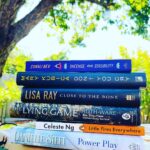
point(74, 140)
point(80, 65)
point(82, 80)
point(76, 113)
point(98, 97)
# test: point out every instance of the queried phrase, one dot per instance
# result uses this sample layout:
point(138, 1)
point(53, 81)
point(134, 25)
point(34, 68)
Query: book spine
point(74, 140)
point(82, 80)
point(103, 97)
point(91, 128)
point(80, 66)
point(76, 113)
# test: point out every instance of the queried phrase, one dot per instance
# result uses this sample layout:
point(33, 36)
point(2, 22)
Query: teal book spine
point(82, 80)
point(74, 140)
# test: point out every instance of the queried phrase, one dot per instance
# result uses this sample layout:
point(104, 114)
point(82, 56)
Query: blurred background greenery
point(71, 22)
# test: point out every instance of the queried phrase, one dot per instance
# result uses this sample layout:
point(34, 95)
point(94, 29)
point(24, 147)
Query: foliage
point(139, 12)
point(77, 17)
point(16, 62)
point(141, 63)
point(62, 55)
point(81, 17)
point(9, 91)
point(7, 126)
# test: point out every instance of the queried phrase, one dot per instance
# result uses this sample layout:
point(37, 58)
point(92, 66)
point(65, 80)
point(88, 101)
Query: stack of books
point(80, 104)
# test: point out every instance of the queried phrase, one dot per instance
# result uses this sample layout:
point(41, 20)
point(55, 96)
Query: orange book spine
point(112, 129)
point(92, 128)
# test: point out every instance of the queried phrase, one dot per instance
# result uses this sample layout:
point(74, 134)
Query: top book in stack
point(118, 65)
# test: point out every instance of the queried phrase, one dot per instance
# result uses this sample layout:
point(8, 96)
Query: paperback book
point(74, 127)
point(91, 128)
point(74, 140)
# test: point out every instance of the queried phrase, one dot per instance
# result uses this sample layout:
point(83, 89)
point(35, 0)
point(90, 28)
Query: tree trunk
point(3, 59)
point(11, 33)
point(4, 53)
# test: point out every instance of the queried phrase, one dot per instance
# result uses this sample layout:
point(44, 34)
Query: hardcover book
point(82, 80)
point(103, 97)
point(74, 140)
point(80, 65)
point(76, 113)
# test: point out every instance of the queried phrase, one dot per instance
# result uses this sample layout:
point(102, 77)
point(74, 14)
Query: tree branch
point(104, 3)
point(14, 6)
point(8, 11)
point(25, 25)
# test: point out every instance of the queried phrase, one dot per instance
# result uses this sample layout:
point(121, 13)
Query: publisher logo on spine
point(65, 66)
point(126, 116)
point(118, 65)
point(134, 146)
point(125, 65)
point(139, 79)
point(58, 66)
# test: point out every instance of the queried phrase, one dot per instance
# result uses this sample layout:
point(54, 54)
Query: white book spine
point(59, 126)
point(75, 140)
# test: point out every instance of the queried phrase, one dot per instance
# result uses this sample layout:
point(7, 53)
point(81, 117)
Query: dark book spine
point(76, 113)
point(80, 66)
point(103, 97)
point(82, 80)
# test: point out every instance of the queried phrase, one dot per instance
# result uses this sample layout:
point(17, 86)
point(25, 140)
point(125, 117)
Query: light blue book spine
point(75, 140)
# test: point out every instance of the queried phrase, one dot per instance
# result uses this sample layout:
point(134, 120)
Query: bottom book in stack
point(29, 134)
